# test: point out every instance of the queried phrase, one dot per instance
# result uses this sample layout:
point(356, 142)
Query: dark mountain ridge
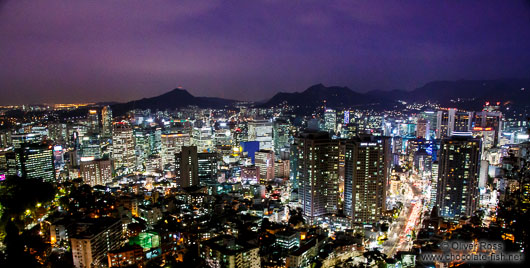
point(176, 98)
point(318, 95)
point(466, 94)
point(461, 94)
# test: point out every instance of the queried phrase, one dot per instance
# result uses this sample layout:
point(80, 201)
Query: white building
point(123, 152)
point(96, 172)
point(261, 130)
point(94, 240)
point(171, 144)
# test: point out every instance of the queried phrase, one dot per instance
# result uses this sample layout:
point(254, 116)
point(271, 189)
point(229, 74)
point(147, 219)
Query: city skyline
point(264, 134)
point(71, 52)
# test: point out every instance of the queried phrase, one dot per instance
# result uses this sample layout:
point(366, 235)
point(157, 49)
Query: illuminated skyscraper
point(452, 120)
point(318, 173)
point(434, 184)
point(93, 121)
point(123, 152)
point(485, 123)
point(203, 139)
point(330, 120)
point(142, 148)
point(431, 117)
point(95, 239)
point(457, 189)
point(28, 138)
point(367, 171)
point(265, 161)
point(106, 121)
point(187, 166)
point(5, 138)
point(34, 161)
point(57, 132)
point(207, 163)
point(261, 130)
point(281, 135)
point(96, 172)
point(423, 129)
point(90, 147)
point(171, 144)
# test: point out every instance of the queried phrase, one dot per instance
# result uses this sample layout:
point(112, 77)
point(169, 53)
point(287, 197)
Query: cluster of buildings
point(256, 187)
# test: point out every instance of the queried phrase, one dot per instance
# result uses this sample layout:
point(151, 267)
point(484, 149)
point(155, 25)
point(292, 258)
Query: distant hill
point(318, 95)
point(177, 98)
point(445, 92)
point(466, 94)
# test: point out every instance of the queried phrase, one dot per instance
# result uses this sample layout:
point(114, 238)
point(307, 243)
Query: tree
point(20, 195)
point(16, 256)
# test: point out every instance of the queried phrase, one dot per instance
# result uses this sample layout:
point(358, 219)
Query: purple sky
point(109, 50)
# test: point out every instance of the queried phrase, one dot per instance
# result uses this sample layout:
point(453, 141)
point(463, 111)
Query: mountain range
point(176, 98)
point(467, 94)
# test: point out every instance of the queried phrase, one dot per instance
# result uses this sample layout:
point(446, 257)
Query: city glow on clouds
point(66, 51)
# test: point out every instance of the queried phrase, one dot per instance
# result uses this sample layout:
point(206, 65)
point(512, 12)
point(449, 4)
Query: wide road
point(407, 221)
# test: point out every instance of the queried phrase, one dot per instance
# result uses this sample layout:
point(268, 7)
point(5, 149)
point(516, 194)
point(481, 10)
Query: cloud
point(121, 50)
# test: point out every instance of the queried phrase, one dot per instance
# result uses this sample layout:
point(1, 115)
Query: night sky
point(68, 51)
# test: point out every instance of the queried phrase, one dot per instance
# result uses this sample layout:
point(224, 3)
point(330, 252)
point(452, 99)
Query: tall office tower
point(407, 130)
point(33, 161)
point(207, 168)
point(74, 134)
point(39, 129)
point(330, 120)
point(5, 138)
point(92, 121)
point(387, 127)
point(415, 145)
point(261, 130)
point(203, 139)
point(8, 163)
point(171, 144)
point(430, 116)
point(457, 189)
point(90, 148)
point(462, 122)
point(155, 140)
point(442, 121)
point(281, 135)
point(318, 173)
point(95, 238)
point(452, 120)
point(345, 117)
point(27, 138)
point(367, 171)
point(187, 166)
point(488, 122)
point(222, 138)
point(57, 132)
point(123, 152)
point(423, 129)
point(264, 159)
point(422, 163)
point(397, 145)
point(434, 184)
point(96, 172)
point(141, 148)
point(281, 169)
point(106, 121)
point(3, 161)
